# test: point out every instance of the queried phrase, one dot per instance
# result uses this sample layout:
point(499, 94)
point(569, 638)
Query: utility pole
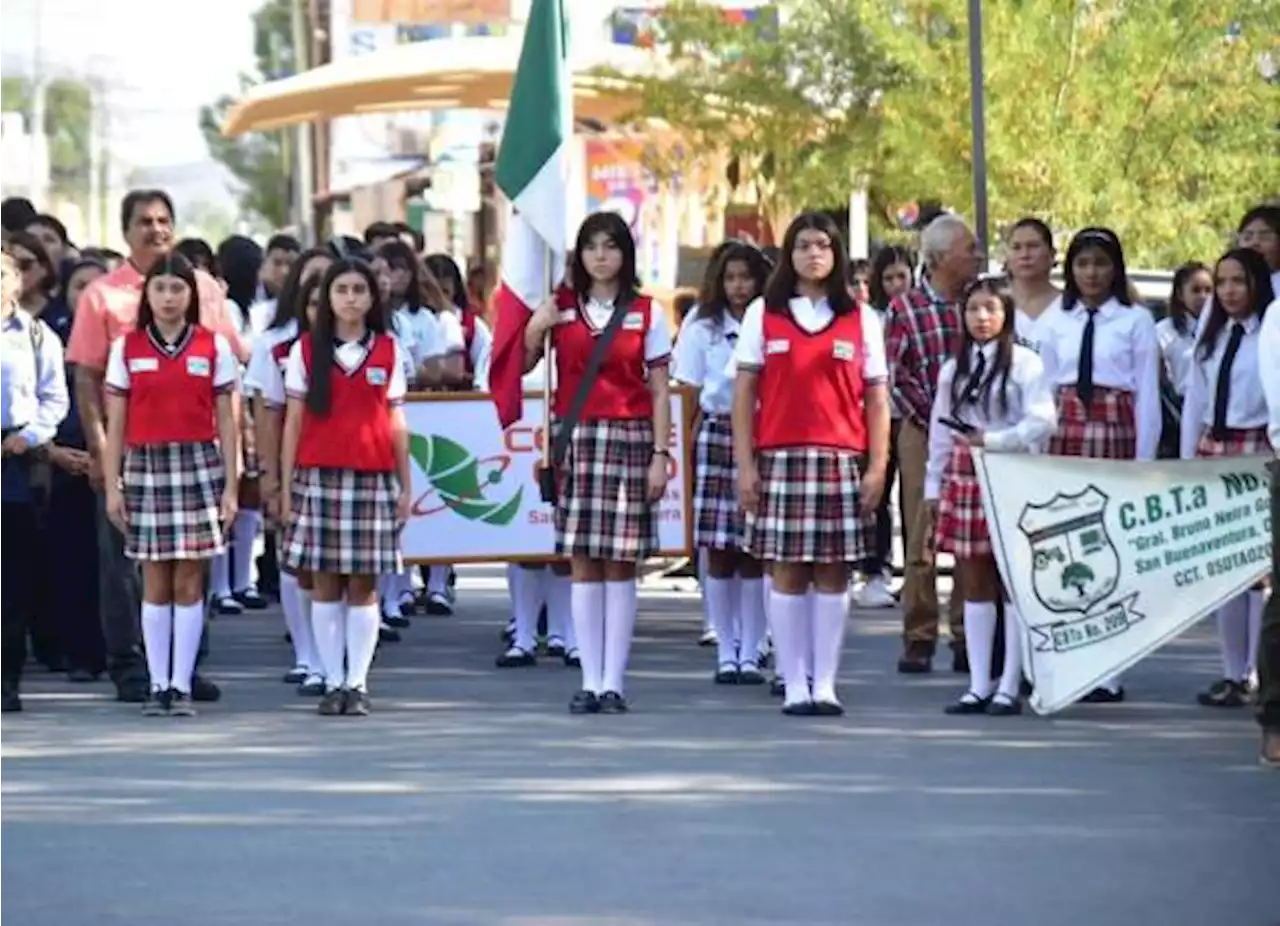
point(977, 114)
point(304, 176)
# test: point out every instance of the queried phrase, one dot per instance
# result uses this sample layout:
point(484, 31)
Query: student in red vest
point(345, 483)
point(811, 441)
point(993, 395)
point(616, 467)
point(170, 418)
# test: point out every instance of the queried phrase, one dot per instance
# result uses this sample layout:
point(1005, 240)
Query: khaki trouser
point(920, 579)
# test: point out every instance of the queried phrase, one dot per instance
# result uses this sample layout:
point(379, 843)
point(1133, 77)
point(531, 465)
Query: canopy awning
point(463, 73)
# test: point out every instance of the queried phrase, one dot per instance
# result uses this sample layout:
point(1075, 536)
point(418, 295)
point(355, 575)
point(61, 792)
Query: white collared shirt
point(657, 341)
point(348, 356)
point(1246, 401)
point(1269, 369)
point(702, 355)
point(1176, 348)
point(1023, 425)
point(1031, 331)
point(262, 376)
point(1126, 356)
point(813, 318)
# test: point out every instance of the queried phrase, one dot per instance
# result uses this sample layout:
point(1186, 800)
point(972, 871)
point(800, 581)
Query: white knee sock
point(157, 639)
point(717, 597)
point(704, 560)
point(768, 620)
point(298, 621)
point(328, 625)
point(404, 583)
point(188, 624)
point(619, 627)
point(438, 580)
point(735, 621)
point(246, 536)
point(807, 638)
point(220, 576)
point(559, 594)
point(587, 603)
point(362, 641)
point(526, 595)
point(751, 610)
point(827, 616)
point(979, 641)
point(789, 615)
point(389, 594)
point(1257, 601)
point(1233, 636)
point(1011, 674)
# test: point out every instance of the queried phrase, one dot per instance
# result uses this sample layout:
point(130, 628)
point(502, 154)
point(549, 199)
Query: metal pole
point(305, 177)
point(977, 113)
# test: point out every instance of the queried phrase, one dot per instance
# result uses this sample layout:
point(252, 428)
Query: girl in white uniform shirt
point(1029, 265)
point(1176, 335)
point(1260, 231)
point(1225, 415)
point(733, 584)
point(996, 388)
point(1102, 360)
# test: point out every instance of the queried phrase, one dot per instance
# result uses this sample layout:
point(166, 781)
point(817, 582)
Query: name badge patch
point(777, 346)
point(566, 316)
point(843, 350)
point(198, 366)
point(377, 376)
point(144, 365)
point(634, 321)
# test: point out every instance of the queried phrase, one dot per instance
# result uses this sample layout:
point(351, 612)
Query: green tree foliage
point(68, 117)
point(790, 98)
point(257, 159)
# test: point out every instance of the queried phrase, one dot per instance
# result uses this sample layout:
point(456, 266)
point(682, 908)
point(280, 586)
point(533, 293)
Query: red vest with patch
point(621, 389)
point(811, 388)
point(171, 396)
point(356, 434)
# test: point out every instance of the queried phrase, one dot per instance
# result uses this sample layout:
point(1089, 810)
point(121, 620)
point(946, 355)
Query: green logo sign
point(461, 483)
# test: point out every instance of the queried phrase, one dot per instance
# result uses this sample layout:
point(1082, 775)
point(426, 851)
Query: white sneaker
point(874, 594)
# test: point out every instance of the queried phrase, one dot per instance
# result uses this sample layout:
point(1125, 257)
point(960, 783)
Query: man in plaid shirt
point(924, 328)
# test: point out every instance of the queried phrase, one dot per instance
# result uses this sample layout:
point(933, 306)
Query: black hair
point(1258, 275)
point(345, 247)
point(318, 384)
point(29, 242)
point(612, 225)
point(397, 253)
point(378, 230)
point(172, 265)
point(1105, 240)
point(773, 254)
point(419, 242)
point(283, 243)
point(302, 297)
point(718, 302)
point(135, 198)
point(106, 255)
point(239, 264)
point(962, 390)
point(683, 305)
point(1263, 212)
point(1179, 312)
point(857, 266)
point(782, 283)
point(1042, 230)
point(16, 213)
point(442, 267)
point(70, 268)
point(288, 294)
point(706, 290)
point(201, 255)
point(52, 223)
point(885, 258)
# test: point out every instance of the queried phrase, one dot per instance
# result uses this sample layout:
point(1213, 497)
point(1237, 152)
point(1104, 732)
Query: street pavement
point(471, 797)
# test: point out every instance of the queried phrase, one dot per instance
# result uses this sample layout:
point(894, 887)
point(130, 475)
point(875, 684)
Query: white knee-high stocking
point(587, 602)
point(619, 627)
point(979, 641)
point(157, 640)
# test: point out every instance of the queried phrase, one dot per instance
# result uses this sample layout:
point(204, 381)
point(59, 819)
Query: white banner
point(475, 486)
point(1108, 560)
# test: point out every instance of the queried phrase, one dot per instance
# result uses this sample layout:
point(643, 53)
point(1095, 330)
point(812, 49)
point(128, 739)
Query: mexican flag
point(532, 170)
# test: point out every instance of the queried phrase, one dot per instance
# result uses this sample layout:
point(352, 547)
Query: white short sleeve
point(450, 331)
point(226, 368)
point(657, 341)
point(295, 373)
point(271, 386)
point(399, 384)
point(481, 355)
point(690, 358)
point(261, 362)
point(749, 353)
point(117, 370)
point(875, 366)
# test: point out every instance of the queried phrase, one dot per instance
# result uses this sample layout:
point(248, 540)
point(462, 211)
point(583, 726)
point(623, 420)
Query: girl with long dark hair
point(345, 490)
point(170, 419)
point(992, 395)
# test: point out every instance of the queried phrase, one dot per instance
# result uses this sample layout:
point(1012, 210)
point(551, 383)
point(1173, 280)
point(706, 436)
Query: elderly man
point(108, 308)
point(924, 328)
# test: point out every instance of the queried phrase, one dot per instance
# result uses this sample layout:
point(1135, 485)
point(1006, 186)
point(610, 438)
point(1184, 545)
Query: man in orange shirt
point(108, 308)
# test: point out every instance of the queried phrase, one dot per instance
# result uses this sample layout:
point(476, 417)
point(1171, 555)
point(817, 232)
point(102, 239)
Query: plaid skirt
point(343, 522)
point(1104, 431)
point(173, 501)
point(717, 514)
point(1239, 442)
point(962, 525)
point(809, 511)
point(604, 510)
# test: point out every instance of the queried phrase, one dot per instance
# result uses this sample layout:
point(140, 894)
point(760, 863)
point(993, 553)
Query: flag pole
point(549, 278)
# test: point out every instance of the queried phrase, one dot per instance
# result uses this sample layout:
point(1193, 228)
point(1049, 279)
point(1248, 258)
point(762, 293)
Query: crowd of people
point(218, 400)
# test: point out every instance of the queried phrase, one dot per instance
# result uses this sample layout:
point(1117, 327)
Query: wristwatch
point(661, 451)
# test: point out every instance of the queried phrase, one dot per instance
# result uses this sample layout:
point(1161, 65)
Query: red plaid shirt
point(924, 330)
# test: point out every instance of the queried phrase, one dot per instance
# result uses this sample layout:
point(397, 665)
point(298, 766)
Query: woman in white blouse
point(1176, 335)
point(1225, 415)
point(1102, 360)
point(993, 395)
point(1030, 265)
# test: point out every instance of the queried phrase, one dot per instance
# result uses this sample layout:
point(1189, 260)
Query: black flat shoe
point(516, 658)
point(388, 634)
point(572, 659)
point(251, 599)
point(613, 703)
point(799, 709)
point(333, 703)
point(398, 621)
point(828, 709)
point(1225, 693)
point(295, 676)
point(969, 703)
point(727, 674)
point(1104, 696)
point(356, 703)
point(584, 702)
point(312, 689)
point(999, 707)
point(556, 650)
point(204, 690)
point(750, 675)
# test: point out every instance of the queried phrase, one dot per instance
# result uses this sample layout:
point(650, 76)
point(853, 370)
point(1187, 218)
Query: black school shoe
point(333, 703)
point(727, 674)
point(388, 634)
point(516, 658)
point(204, 690)
point(1225, 693)
point(799, 709)
point(1104, 696)
point(356, 703)
point(396, 621)
point(1001, 706)
point(584, 702)
point(251, 599)
point(969, 703)
point(613, 703)
point(750, 675)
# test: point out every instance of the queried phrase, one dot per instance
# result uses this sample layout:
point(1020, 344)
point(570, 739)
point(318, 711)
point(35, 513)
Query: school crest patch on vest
point(843, 350)
point(376, 376)
point(143, 365)
point(198, 366)
point(777, 346)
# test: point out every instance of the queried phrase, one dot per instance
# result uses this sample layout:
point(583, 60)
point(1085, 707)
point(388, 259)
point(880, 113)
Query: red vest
point(811, 390)
point(280, 354)
point(356, 434)
point(171, 396)
point(621, 391)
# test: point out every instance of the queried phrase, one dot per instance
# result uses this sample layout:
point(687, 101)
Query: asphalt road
point(472, 797)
